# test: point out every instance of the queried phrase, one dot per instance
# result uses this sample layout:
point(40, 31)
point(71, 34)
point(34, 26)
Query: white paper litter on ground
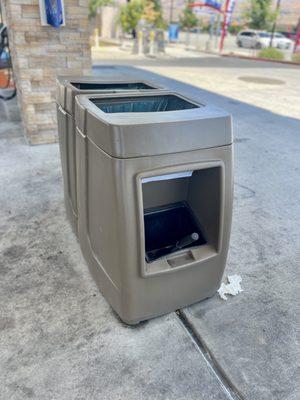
point(233, 286)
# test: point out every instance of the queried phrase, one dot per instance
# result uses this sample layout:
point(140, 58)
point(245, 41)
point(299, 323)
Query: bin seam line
point(155, 155)
point(227, 386)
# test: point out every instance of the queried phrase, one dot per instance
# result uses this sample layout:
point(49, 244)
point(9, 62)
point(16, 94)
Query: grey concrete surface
point(254, 336)
point(59, 339)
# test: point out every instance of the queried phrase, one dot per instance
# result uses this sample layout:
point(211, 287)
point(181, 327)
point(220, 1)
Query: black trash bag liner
point(118, 86)
point(169, 225)
point(143, 104)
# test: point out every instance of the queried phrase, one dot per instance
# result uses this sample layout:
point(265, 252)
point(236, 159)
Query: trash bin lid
point(70, 86)
point(129, 125)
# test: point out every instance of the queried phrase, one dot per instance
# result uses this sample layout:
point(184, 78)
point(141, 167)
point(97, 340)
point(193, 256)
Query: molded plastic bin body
point(67, 89)
point(147, 182)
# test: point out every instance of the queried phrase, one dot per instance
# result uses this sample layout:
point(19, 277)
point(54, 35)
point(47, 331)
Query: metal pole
point(171, 10)
point(217, 30)
point(297, 41)
point(198, 35)
point(224, 25)
point(274, 25)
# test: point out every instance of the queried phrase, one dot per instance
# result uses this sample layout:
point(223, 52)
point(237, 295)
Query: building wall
point(109, 22)
point(39, 54)
point(289, 14)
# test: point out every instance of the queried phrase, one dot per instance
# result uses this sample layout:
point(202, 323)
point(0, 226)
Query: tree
point(260, 14)
point(133, 12)
point(130, 15)
point(188, 19)
point(151, 12)
point(159, 21)
point(95, 4)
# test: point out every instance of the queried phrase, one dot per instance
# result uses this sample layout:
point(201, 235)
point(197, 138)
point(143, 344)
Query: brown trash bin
point(155, 192)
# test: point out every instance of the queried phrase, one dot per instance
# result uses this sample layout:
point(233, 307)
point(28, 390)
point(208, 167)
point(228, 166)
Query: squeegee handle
point(187, 240)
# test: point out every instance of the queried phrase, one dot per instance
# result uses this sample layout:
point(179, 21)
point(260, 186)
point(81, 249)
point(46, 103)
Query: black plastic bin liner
point(143, 104)
point(165, 226)
point(112, 86)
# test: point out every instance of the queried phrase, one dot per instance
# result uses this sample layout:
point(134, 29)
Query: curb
point(260, 59)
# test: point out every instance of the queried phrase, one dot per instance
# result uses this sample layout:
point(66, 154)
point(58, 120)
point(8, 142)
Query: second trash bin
point(155, 199)
point(67, 88)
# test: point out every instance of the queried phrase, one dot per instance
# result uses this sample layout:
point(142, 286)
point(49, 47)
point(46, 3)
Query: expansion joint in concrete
point(223, 380)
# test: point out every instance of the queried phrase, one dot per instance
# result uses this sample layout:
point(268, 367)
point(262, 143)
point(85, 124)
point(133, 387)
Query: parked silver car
point(258, 40)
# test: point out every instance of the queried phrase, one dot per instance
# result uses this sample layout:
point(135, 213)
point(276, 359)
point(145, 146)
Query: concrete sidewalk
point(60, 340)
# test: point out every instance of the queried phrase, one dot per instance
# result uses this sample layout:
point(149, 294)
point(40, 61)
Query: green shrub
point(188, 20)
point(270, 52)
point(296, 57)
point(234, 28)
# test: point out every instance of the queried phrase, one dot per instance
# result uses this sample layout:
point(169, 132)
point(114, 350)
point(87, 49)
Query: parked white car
point(258, 40)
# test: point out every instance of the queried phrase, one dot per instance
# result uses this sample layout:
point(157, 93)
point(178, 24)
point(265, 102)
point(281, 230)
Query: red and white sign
point(297, 41)
point(229, 6)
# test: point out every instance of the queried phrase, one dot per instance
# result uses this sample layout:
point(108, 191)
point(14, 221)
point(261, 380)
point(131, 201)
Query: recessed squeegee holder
point(169, 229)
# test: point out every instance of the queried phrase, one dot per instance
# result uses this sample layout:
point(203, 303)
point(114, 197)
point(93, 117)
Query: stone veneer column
point(39, 54)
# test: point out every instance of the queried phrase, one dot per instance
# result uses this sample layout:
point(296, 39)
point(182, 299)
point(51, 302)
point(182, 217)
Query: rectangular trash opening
point(181, 210)
point(118, 86)
point(169, 229)
point(143, 104)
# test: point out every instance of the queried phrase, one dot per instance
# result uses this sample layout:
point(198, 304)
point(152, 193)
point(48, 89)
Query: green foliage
point(149, 10)
point(152, 13)
point(272, 53)
point(95, 4)
point(259, 14)
point(159, 21)
point(188, 19)
point(296, 57)
point(205, 28)
point(235, 29)
point(130, 15)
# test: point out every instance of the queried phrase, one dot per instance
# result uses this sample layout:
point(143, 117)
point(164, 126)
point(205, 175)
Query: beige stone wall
point(109, 22)
point(39, 54)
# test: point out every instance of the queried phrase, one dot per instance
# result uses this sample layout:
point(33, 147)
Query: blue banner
point(54, 12)
point(213, 3)
point(173, 32)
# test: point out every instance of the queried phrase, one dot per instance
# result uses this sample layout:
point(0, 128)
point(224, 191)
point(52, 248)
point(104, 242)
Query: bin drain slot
point(169, 229)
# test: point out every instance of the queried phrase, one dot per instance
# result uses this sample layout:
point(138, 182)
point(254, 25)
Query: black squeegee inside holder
point(170, 228)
